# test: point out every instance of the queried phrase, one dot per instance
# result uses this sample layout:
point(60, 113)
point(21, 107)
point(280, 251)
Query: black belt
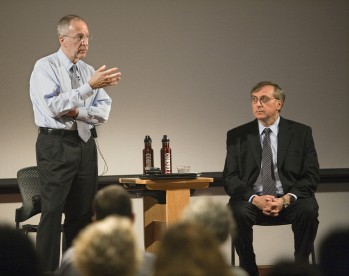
point(58, 132)
point(64, 132)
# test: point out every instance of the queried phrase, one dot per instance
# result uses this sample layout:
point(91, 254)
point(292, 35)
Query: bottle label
point(148, 158)
point(167, 160)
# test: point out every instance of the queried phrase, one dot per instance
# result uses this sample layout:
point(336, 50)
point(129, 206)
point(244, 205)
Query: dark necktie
point(83, 128)
point(267, 170)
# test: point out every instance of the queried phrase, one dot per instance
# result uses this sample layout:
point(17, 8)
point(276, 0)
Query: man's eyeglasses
point(80, 37)
point(262, 100)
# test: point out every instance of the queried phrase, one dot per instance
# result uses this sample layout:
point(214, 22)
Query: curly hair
point(107, 247)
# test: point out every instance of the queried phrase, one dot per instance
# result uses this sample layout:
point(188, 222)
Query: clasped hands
point(270, 205)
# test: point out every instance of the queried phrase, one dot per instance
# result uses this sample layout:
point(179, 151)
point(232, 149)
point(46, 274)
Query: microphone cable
point(105, 165)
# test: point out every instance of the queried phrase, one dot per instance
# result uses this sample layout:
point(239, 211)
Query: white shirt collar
point(274, 127)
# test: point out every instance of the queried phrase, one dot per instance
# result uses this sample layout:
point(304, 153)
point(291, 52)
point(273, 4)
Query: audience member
point(212, 214)
point(111, 200)
point(106, 248)
point(290, 268)
point(334, 253)
point(216, 217)
point(17, 254)
point(190, 249)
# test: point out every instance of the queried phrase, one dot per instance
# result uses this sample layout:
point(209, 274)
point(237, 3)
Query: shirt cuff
point(85, 91)
point(83, 115)
point(251, 198)
point(86, 117)
point(295, 197)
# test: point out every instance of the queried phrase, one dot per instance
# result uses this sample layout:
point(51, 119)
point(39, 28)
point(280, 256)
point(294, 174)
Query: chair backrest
point(29, 187)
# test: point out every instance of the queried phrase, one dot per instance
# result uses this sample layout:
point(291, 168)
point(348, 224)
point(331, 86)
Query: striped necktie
point(267, 170)
point(83, 128)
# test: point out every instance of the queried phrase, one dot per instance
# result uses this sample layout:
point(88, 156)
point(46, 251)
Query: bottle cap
point(147, 139)
point(165, 139)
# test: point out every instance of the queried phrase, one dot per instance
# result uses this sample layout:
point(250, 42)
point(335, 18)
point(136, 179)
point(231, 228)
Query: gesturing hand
point(103, 77)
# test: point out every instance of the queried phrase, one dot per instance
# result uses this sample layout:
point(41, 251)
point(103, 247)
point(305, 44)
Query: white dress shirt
point(52, 95)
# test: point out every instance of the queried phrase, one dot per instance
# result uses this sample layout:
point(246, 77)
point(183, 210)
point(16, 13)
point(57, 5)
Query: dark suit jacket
point(297, 161)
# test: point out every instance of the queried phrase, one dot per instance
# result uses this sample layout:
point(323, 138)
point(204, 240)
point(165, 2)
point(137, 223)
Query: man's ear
point(61, 39)
point(280, 104)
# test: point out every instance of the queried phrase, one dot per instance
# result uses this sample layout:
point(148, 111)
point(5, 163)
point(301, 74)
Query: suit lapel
point(254, 141)
point(284, 137)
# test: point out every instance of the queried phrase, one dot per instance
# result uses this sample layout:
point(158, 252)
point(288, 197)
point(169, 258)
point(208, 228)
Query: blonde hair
point(107, 247)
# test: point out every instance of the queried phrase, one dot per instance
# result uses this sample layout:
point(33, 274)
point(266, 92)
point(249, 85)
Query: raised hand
point(103, 77)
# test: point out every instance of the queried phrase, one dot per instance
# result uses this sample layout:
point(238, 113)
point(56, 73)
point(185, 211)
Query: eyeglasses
point(80, 37)
point(261, 100)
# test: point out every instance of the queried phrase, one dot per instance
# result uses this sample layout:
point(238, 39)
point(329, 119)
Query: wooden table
point(158, 214)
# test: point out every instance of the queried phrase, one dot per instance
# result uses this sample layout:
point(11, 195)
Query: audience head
point(212, 215)
point(189, 249)
point(112, 200)
point(107, 247)
point(334, 253)
point(17, 253)
point(290, 268)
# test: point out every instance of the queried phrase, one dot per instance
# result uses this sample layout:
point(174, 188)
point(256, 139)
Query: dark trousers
point(301, 214)
point(68, 174)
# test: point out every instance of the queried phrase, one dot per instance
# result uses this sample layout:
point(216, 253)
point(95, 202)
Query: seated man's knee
point(307, 208)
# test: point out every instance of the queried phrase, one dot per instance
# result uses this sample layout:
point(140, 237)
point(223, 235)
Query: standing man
point(68, 102)
point(271, 174)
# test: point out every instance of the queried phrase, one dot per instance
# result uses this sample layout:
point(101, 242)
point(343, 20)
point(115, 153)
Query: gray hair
point(64, 23)
point(213, 215)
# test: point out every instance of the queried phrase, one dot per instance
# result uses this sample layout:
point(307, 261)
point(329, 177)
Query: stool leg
point(232, 253)
point(313, 257)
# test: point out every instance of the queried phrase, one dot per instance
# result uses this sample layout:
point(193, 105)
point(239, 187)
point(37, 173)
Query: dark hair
point(278, 92)
point(112, 200)
point(290, 268)
point(334, 252)
point(17, 253)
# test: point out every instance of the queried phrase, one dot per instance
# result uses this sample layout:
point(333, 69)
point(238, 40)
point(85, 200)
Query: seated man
point(271, 173)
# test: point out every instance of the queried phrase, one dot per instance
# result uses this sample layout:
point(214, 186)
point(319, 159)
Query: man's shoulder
point(293, 124)
point(67, 266)
point(147, 264)
point(52, 58)
point(243, 129)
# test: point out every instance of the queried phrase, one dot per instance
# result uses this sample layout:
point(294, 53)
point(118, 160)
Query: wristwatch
point(285, 203)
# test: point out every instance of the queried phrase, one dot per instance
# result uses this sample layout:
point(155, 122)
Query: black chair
point(313, 258)
point(29, 187)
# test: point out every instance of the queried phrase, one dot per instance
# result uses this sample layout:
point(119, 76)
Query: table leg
point(158, 216)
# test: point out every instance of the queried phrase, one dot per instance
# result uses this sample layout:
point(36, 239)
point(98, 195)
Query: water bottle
point(148, 154)
point(166, 156)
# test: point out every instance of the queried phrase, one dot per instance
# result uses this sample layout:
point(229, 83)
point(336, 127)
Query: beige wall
point(188, 66)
